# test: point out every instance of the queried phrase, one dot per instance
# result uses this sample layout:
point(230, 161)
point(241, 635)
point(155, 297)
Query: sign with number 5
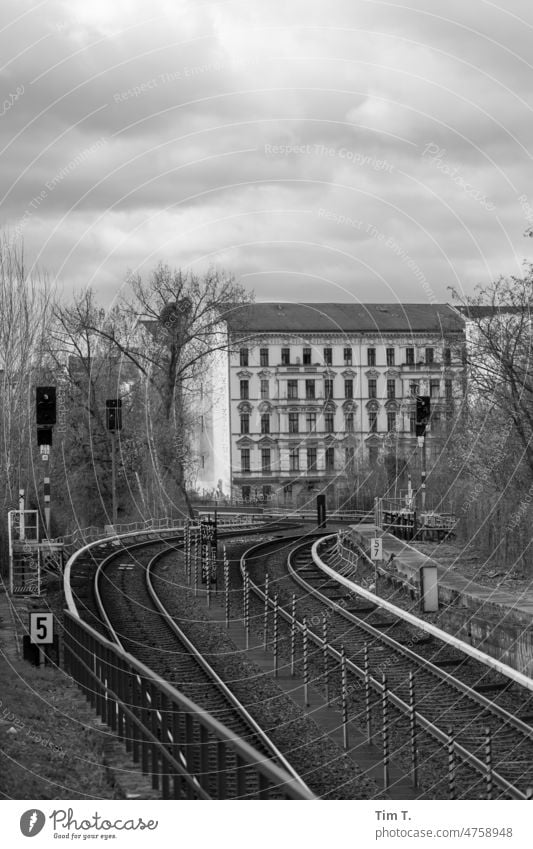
point(42, 628)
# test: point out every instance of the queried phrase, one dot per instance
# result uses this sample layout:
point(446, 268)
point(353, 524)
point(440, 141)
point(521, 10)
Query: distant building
point(313, 392)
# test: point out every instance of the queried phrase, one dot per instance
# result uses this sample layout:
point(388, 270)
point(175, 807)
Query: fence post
point(265, 615)
point(276, 636)
point(305, 661)
point(293, 633)
point(325, 650)
point(412, 727)
point(196, 566)
point(385, 731)
point(226, 587)
point(451, 764)
point(368, 706)
point(344, 695)
point(488, 761)
point(245, 600)
point(187, 535)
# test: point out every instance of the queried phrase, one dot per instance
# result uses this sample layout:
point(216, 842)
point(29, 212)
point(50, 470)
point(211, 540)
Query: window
point(310, 422)
point(328, 388)
point(265, 460)
point(245, 423)
point(263, 356)
point(293, 423)
point(349, 458)
point(448, 390)
point(311, 460)
point(267, 492)
point(391, 422)
point(434, 388)
point(245, 459)
point(292, 390)
point(330, 459)
point(413, 389)
point(347, 356)
point(412, 423)
point(348, 388)
point(349, 423)
point(372, 454)
point(372, 388)
point(246, 491)
point(310, 390)
point(285, 356)
point(329, 422)
point(244, 390)
point(328, 356)
point(373, 421)
point(265, 389)
point(306, 356)
point(294, 459)
point(391, 389)
point(390, 356)
point(429, 355)
point(447, 356)
point(371, 356)
point(265, 422)
point(243, 356)
point(409, 356)
point(287, 491)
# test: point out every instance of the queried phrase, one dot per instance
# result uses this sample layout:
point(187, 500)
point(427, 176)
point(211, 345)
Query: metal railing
point(186, 751)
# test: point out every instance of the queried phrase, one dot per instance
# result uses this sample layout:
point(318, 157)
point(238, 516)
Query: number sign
point(42, 628)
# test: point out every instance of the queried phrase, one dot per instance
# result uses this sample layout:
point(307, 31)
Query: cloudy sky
point(332, 150)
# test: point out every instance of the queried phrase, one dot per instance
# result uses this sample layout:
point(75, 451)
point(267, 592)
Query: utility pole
point(45, 413)
point(114, 423)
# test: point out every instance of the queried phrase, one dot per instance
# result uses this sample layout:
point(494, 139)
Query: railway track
point(454, 710)
point(137, 620)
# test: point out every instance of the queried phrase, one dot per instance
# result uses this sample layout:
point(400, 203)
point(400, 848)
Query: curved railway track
point(137, 620)
point(456, 712)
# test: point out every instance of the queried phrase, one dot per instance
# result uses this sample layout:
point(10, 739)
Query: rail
point(421, 721)
point(458, 644)
point(158, 723)
point(182, 747)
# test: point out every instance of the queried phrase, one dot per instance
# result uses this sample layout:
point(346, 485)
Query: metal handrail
point(113, 683)
point(162, 725)
point(444, 636)
point(421, 720)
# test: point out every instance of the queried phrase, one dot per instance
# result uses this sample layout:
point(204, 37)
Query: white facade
point(294, 412)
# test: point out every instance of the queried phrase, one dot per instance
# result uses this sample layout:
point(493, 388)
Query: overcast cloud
point(318, 151)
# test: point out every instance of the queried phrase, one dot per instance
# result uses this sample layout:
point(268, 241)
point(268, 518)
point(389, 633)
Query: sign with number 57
point(42, 628)
point(376, 548)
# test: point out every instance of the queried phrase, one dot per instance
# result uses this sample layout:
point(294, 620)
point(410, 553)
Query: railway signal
point(45, 405)
point(423, 412)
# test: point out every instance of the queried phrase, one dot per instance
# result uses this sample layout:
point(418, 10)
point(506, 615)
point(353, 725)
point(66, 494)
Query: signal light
point(45, 405)
point(114, 414)
point(423, 412)
point(44, 436)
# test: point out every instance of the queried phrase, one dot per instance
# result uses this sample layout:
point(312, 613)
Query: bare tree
point(25, 302)
point(167, 328)
point(499, 353)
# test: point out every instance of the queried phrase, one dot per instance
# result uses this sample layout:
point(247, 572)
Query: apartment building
point(318, 391)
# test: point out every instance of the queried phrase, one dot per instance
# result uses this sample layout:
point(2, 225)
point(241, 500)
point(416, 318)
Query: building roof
point(474, 311)
point(344, 317)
